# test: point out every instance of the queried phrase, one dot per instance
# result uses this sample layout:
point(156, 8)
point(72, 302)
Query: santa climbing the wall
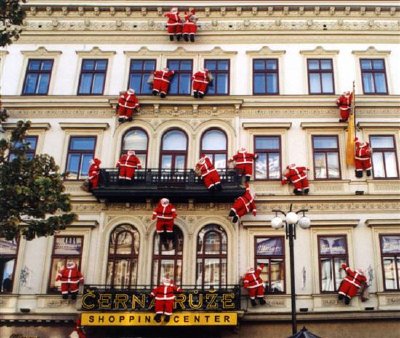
point(244, 162)
point(128, 104)
point(164, 295)
point(344, 103)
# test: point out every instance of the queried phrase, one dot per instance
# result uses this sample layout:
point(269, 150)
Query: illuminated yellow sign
point(147, 319)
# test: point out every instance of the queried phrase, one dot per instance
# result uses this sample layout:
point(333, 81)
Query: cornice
point(266, 51)
point(266, 125)
point(33, 126)
point(78, 125)
point(41, 52)
point(95, 52)
point(317, 51)
point(371, 51)
point(323, 125)
point(379, 125)
point(395, 223)
point(315, 223)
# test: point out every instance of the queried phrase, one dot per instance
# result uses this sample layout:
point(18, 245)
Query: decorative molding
point(34, 126)
point(318, 51)
point(217, 51)
point(95, 52)
point(325, 223)
point(143, 51)
point(41, 52)
point(323, 125)
point(84, 224)
point(383, 223)
point(371, 51)
point(77, 125)
point(267, 125)
point(378, 125)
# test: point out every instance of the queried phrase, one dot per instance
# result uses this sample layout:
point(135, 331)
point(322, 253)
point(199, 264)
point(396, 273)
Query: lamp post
point(290, 220)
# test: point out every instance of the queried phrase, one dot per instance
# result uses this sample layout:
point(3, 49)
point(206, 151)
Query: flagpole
point(354, 108)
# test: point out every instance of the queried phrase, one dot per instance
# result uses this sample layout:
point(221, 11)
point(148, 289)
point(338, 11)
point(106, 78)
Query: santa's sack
point(74, 334)
point(150, 80)
point(364, 292)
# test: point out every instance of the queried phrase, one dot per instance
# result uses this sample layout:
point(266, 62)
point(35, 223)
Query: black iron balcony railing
point(177, 185)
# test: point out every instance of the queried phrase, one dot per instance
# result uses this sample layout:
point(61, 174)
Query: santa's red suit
point(70, 278)
point(254, 285)
point(127, 165)
point(189, 26)
point(351, 283)
point(344, 104)
point(78, 331)
point(206, 170)
point(161, 81)
point(244, 162)
point(165, 213)
point(127, 105)
point(200, 81)
point(298, 177)
point(164, 295)
point(362, 158)
point(94, 172)
point(174, 24)
point(243, 205)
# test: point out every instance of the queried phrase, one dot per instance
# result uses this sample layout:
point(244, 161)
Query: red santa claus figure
point(127, 164)
point(206, 170)
point(344, 103)
point(94, 173)
point(189, 26)
point(78, 332)
point(362, 158)
point(243, 205)
point(254, 285)
point(298, 177)
point(128, 104)
point(165, 213)
point(244, 162)
point(200, 81)
point(174, 24)
point(70, 277)
point(351, 284)
point(161, 81)
point(164, 295)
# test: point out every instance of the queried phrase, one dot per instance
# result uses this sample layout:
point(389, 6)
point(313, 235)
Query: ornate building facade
point(278, 68)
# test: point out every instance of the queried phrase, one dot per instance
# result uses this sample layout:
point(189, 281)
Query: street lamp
point(290, 220)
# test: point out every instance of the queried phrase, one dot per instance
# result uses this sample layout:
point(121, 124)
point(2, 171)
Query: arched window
point(173, 150)
point(136, 139)
point(123, 254)
point(213, 144)
point(168, 261)
point(8, 260)
point(211, 261)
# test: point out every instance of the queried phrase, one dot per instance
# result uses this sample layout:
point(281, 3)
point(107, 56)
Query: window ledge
point(383, 223)
point(323, 125)
point(267, 125)
point(66, 126)
point(380, 125)
point(34, 126)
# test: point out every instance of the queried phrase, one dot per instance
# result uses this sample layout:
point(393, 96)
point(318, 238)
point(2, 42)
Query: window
point(80, 152)
point(213, 144)
point(211, 264)
point(174, 150)
point(123, 255)
point(65, 248)
point(139, 72)
point(31, 141)
point(390, 251)
point(326, 157)
point(384, 160)
point(268, 163)
point(265, 77)
point(37, 78)
point(93, 77)
point(373, 76)
point(181, 83)
point(332, 253)
point(8, 260)
point(136, 139)
point(219, 69)
point(271, 251)
point(320, 76)
point(168, 262)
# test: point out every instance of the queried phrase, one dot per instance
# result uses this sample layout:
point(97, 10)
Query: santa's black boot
point(185, 37)
point(121, 120)
point(235, 219)
point(178, 37)
point(163, 95)
point(65, 296)
point(73, 296)
point(253, 302)
point(201, 95)
point(171, 38)
point(347, 300)
point(196, 94)
point(192, 37)
point(368, 173)
point(343, 120)
point(231, 213)
point(218, 187)
point(306, 191)
point(297, 192)
point(157, 317)
point(155, 92)
point(262, 301)
point(359, 174)
point(166, 318)
point(340, 296)
point(247, 179)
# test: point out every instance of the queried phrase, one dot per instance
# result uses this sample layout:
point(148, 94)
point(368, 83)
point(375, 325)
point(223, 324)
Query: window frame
point(383, 151)
point(80, 152)
point(176, 76)
point(211, 153)
point(215, 74)
point(373, 72)
point(10, 257)
point(39, 72)
point(29, 151)
point(144, 73)
point(137, 152)
point(173, 153)
point(332, 257)
point(93, 72)
point(395, 256)
point(320, 72)
point(325, 151)
point(267, 152)
point(266, 72)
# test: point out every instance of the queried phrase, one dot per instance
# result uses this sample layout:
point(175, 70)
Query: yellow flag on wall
point(350, 141)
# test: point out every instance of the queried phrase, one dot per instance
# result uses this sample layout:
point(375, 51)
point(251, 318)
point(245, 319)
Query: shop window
point(268, 163)
point(219, 69)
point(332, 253)
point(384, 159)
point(181, 83)
point(390, 253)
point(320, 76)
point(265, 77)
point(211, 262)
point(93, 77)
point(271, 252)
point(326, 157)
point(37, 77)
point(123, 257)
point(136, 139)
point(8, 262)
point(80, 152)
point(139, 72)
point(173, 150)
point(373, 76)
point(214, 145)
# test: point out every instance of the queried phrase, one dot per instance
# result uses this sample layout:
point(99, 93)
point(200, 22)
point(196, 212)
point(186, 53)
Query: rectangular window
point(80, 152)
point(384, 159)
point(65, 248)
point(390, 251)
point(93, 77)
point(326, 157)
point(265, 77)
point(219, 69)
point(268, 163)
point(320, 76)
point(332, 253)
point(37, 78)
point(139, 72)
point(8, 259)
point(271, 252)
point(31, 141)
point(373, 76)
point(181, 83)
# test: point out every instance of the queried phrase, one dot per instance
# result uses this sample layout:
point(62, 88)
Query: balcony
point(177, 185)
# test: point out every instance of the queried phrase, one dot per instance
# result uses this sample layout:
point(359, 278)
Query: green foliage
point(11, 18)
point(32, 198)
